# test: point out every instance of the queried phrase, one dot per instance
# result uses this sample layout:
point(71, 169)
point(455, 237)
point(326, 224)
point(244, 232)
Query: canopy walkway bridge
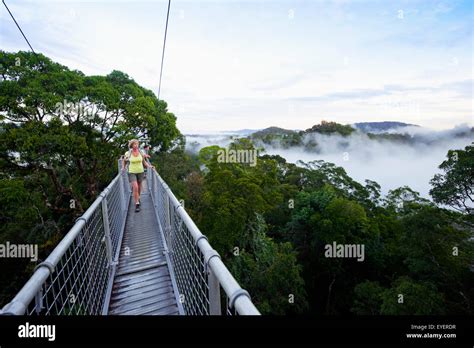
point(115, 261)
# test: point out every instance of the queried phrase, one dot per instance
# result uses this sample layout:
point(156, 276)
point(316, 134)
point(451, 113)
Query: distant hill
point(387, 131)
point(272, 130)
point(379, 127)
point(285, 137)
point(326, 127)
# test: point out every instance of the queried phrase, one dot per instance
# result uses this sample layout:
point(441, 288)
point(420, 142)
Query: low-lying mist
point(391, 163)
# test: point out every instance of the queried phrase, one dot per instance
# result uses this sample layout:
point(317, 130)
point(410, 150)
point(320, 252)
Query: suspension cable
point(21, 31)
point(164, 44)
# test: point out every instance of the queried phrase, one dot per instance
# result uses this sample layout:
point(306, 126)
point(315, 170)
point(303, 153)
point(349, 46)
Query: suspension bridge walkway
point(115, 261)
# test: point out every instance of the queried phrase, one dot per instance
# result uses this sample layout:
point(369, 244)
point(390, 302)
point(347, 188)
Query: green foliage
point(234, 198)
point(456, 186)
point(418, 299)
point(271, 273)
point(326, 127)
point(115, 106)
point(401, 200)
point(368, 298)
point(408, 240)
point(322, 217)
point(405, 297)
point(174, 167)
point(284, 137)
point(270, 222)
point(403, 234)
point(436, 250)
point(61, 133)
point(392, 137)
point(319, 173)
point(234, 192)
point(74, 309)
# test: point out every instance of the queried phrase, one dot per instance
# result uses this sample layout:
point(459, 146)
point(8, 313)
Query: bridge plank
point(142, 284)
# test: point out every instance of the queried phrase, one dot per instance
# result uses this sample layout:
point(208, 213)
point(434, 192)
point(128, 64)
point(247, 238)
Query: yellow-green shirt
point(136, 162)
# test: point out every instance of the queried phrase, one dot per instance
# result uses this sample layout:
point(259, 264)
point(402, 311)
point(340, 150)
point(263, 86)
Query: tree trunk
point(328, 303)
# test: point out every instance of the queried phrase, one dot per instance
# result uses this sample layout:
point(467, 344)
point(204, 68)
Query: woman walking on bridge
point(135, 169)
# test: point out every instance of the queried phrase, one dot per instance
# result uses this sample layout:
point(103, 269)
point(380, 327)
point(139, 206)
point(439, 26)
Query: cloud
point(391, 164)
point(343, 95)
point(277, 84)
point(461, 88)
point(250, 65)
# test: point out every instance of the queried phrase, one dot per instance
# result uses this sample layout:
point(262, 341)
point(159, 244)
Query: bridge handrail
point(84, 261)
point(238, 298)
point(34, 286)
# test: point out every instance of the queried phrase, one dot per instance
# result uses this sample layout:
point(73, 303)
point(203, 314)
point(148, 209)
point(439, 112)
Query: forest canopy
point(271, 223)
point(61, 135)
point(62, 132)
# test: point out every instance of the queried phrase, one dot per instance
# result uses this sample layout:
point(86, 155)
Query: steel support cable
point(21, 31)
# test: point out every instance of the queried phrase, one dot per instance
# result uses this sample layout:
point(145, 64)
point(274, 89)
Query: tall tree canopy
point(61, 133)
point(456, 186)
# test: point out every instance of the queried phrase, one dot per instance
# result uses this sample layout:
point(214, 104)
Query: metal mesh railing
point(198, 270)
point(189, 268)
point(76, 276)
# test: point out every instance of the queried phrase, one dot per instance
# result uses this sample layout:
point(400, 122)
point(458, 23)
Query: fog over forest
point(391, 163)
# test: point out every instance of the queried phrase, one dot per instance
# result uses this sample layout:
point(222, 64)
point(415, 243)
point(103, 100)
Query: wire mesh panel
point(78, 282)
point(79, 267)
point(228, 309)
point(189, 268)
point(198, 287)
point(127, 189)
point(115, 213)
point(75, 278)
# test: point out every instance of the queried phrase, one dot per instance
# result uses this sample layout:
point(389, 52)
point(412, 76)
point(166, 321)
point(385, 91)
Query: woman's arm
point(123, 163)
point(148, 165)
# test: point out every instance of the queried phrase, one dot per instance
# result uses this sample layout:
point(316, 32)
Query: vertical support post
point(122, 194)
point(39, 301)
point(214, 293)
point(150, 182)
point(167, 216)
point(155, 187)
point(108, 242)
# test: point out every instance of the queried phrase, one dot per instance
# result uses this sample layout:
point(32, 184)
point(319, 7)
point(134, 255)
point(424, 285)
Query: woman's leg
point(135, 191)
point(140, 184)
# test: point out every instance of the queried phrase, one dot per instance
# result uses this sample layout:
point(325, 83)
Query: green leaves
point(61, 134)
point(405, 297)
point(326, 127)
point(235, 197)
point(456, 187)
point(271, 272)
point(38, 89)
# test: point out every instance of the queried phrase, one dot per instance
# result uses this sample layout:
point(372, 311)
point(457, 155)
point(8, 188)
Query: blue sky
point(253, 64)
